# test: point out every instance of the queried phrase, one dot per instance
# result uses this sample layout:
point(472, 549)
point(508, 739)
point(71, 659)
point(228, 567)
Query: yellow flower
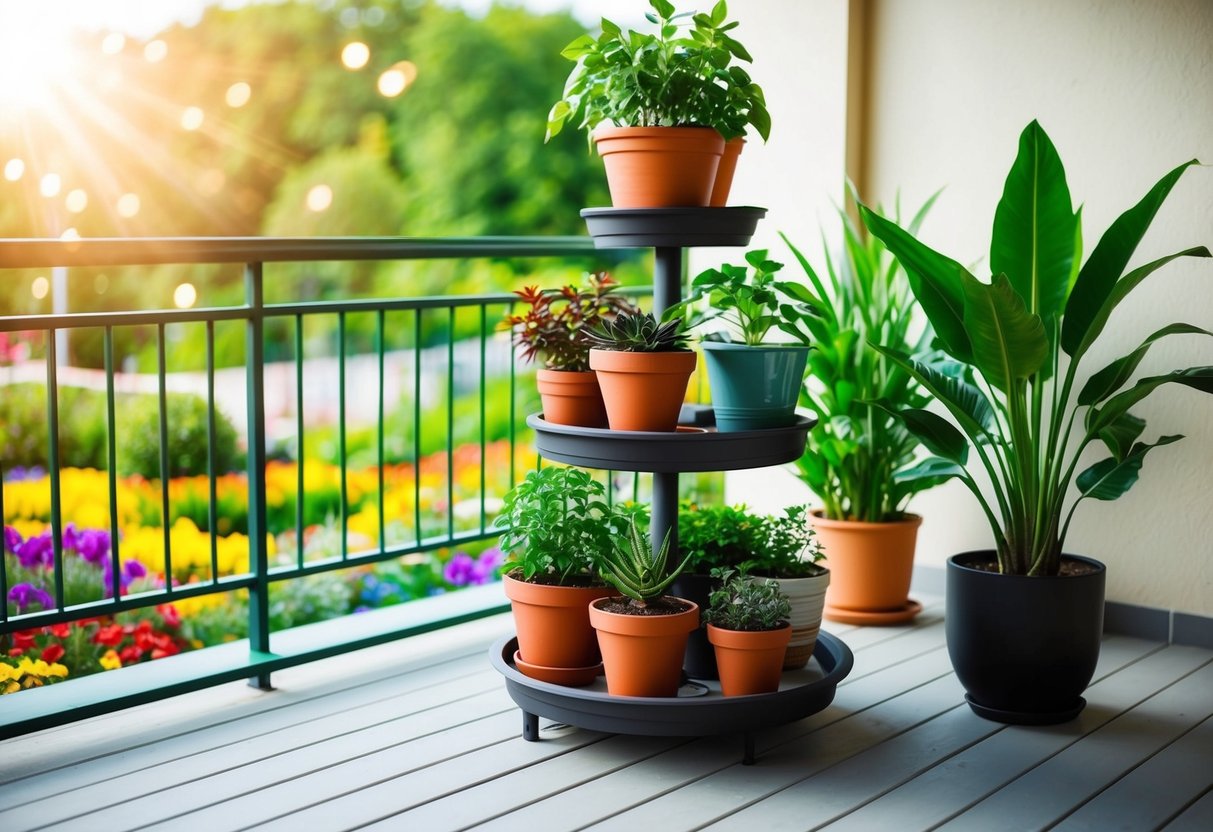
point(110, 660)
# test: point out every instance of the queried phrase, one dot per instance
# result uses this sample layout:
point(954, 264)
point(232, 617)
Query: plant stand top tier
point(672, 227)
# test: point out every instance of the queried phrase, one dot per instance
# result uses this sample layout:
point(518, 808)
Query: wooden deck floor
point(420, 735)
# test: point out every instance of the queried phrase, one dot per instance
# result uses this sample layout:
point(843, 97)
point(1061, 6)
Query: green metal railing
point(263, 651)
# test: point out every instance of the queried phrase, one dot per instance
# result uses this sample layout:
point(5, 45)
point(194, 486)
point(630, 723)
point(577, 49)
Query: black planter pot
point(699, 661)
point(1024, 648)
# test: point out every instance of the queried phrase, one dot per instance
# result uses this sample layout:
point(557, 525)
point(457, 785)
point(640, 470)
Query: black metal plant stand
point(699, 709)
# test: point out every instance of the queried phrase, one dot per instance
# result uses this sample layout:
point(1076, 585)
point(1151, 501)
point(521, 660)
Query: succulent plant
point(637, 332)
point(638, 572)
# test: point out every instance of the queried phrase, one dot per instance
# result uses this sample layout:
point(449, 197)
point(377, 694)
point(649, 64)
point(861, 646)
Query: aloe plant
point(639, 572)
point(1014, 400)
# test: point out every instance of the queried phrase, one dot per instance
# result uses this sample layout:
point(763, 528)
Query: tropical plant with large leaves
point(1014, 396)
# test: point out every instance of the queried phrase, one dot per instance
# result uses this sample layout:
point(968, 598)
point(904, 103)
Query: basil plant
point(1017, 397)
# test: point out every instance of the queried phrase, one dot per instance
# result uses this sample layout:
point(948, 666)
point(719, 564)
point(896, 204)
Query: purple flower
point(131, 571)
point(23, 595)
point(71, 537)
point(487, 565)
point(12, 539)
point(93, 545)
point(37, 551)
point(17, 474)
point(460, 570)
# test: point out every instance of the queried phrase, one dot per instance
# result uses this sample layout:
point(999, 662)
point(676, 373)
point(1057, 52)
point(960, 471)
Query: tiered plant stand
point(699, 708)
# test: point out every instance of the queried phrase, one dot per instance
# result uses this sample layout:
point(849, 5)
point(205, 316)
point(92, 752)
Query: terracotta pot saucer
point(874, 618)
point(573, 677)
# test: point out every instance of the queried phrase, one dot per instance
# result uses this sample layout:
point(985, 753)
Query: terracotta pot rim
point(562, 376)
point(672, 361)
point(608, 133)
point(910, 519)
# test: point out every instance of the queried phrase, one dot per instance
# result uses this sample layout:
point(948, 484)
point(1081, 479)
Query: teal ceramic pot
point(754, 388)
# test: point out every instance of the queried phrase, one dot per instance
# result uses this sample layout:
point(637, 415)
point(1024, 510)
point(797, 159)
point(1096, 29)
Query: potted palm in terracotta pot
point(1024, 618)
point(552, 329)
point(660, 106)
point(643, 633)
point(643, 368)
point(748, 627)
point(860, 460)
point(754, 380)
point(557, 531)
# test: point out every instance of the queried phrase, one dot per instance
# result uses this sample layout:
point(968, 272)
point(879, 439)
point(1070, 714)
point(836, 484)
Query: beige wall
point(1125, 90)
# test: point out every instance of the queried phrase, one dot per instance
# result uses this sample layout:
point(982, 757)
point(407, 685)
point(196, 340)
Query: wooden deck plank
point(877, 773)
point(1061, 783)
point(1156, 790)
point(664, 773)
point(1196, 818)
point(399, 663)
point(195, 756)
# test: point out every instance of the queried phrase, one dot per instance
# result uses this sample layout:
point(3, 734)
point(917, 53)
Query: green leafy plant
point(749, 301)
point(1011, 395)
point(637, 332)
point(744, 604)
point(639, 572)
point(553, 326)
point(860, 460)
point(139, 445)
point(683, 75)
point(723, 537)
point(557, 527)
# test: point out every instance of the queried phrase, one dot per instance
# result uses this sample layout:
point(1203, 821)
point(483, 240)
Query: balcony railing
point(464, 354)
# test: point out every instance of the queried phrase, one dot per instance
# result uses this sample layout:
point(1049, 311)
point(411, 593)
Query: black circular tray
point(662, 452)
point(699, 710)
point(672, 227)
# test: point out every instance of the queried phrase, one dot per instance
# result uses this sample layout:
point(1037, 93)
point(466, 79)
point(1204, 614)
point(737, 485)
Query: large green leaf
point(1121, 434)
point(963, 400)
point(1110, 478)
point(937, 434)
point(1009, 342)
point(1107, 262)
point(1198, 378)
point(1033, 241)
point(935, 279)
point(1122, 288)
point(1112, 377)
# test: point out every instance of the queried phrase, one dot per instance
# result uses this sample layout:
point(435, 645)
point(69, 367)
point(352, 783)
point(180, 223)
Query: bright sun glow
point(36, 55)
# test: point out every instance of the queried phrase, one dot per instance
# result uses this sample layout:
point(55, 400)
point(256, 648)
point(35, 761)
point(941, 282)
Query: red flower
point(60, 631)
point(169, 613)
point(130, 654)
point(52, 653)
point(16, 651)
point(24, 639)
point(108, 636)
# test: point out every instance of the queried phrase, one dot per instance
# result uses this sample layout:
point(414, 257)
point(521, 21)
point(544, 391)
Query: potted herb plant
point(643, 368)
point(860, 460)
point(781, 547)
point(642, 634)
point(557, 530)
point(1024, 619)
point(674, 97)
point(552, 328)
point(748, 627)
point(754, 382)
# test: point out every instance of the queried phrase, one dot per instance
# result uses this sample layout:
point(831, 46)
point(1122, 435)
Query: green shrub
point(24, 427)
point(139, 437)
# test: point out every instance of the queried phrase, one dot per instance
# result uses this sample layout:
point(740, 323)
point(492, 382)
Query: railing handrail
point(31, 253)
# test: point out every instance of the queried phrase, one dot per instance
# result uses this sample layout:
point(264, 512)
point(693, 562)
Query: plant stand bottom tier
point(698, 710)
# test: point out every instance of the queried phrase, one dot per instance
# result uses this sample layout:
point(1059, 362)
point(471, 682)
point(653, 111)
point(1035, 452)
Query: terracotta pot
point(724, 173)
point(571, 398)
point(871, 562)
point(660, 167)
point(642, 654)
point(552, 623)
point(807, 597)
point(643, 390)
point(749, 662)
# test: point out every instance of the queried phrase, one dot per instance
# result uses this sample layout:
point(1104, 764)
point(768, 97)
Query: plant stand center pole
point(667, 291)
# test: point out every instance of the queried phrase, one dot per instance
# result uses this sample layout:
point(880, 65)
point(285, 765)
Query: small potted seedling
point(748, 626)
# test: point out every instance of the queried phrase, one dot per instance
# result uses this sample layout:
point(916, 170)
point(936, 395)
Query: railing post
point(259, 591)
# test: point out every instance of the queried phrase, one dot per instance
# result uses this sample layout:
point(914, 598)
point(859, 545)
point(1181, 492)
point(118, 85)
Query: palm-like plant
point(638, 572)
point(1012, 397)
point(861, 460)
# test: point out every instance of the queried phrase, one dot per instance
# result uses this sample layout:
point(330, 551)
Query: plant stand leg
point(530, 727)
point(747, 758)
